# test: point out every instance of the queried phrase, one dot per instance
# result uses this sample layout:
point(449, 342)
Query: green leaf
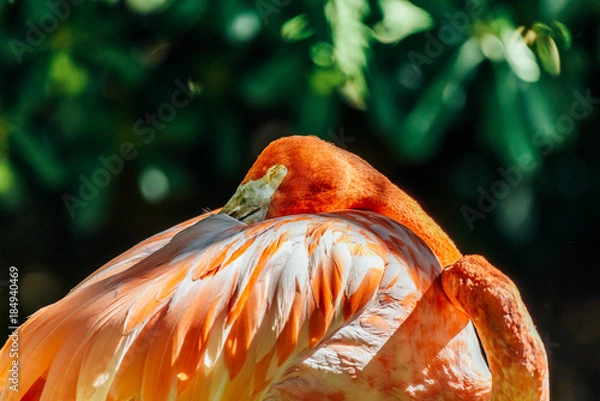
point(324, 81)
point(519, 56)
point(7, 177)
point(561, 34)
point(541, 29)
point(322, 54)
point(547, 51)
point(296, 29)
point(350, 42)
point(12, 191)
point(543, 40)
point(147, 6)
point(400, 19)
point(66, 76)
point(506, 126)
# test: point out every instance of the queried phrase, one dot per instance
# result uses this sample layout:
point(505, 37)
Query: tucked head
point(304, 174)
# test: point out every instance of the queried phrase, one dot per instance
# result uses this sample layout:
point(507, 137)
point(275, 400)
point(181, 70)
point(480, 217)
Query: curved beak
point(251, 201)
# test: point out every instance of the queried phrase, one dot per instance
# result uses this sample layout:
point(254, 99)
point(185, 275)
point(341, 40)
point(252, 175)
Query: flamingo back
point(329, 306)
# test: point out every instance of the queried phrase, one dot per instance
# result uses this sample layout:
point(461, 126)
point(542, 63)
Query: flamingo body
point(290, 308)
point(303, 297)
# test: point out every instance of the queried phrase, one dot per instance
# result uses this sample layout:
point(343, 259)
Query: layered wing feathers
point(216, 309)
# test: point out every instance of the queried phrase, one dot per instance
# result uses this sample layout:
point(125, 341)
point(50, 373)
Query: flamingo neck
point(387, 199)
point(514, 350)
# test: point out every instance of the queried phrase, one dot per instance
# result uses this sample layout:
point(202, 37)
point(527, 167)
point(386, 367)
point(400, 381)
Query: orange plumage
point(311, 300)
point(324, 178)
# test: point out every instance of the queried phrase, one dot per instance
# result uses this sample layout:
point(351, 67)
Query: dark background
point(438, 99)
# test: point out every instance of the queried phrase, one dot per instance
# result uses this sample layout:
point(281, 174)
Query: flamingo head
point(304, 174)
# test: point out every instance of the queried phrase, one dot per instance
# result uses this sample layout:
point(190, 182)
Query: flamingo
point(318, 280)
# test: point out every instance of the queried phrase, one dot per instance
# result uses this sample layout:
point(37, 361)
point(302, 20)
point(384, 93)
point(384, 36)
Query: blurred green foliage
point(118, 119)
